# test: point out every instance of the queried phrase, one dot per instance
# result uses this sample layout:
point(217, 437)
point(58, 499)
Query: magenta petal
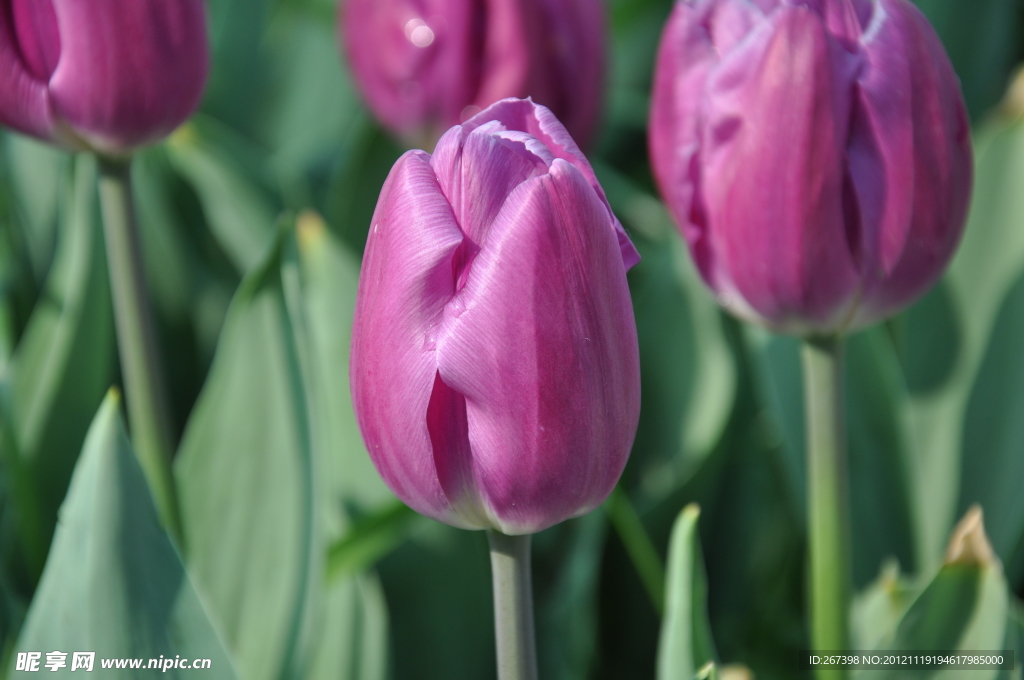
point(538, 121)
point(405, 282)
point(542, 344)
point(551, 51)
point(477, 171)
point(130, 72)
point(685, 57)
point(38, 38)
point(911, 160)
point(24, 101)
point(773, 157)
point(416, 63)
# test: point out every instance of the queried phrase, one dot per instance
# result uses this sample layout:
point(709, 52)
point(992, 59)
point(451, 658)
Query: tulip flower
point(425, 66)
point(495, 368)
point(105, 75)
point(816, 154)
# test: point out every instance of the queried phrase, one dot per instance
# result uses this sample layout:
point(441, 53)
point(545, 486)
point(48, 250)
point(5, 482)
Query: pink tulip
point(495, 369)
point(109, 75)
point(425, 65)
point(816, 154)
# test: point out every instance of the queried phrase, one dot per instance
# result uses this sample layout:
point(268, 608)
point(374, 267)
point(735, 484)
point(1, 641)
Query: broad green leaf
point(989, 262)
point(37, 174)
point(312, 103)
point(330, 277)
point(438, 586)
point(688, 375)
point(238, 214)
point(113, 583)
point(65, 360)
point(686, 644)
point(877, 610)
point(368, 540)
point(566, 565)
point(993, 440)
point(352, 638)
point(364, 161)
point(880, 460)
point(245, 477)
point(237, 91)
point(964, 607)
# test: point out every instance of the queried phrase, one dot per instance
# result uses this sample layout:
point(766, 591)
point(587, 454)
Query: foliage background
point(297, 555)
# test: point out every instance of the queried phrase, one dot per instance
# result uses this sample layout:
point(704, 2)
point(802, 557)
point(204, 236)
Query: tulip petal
point(910, 159)
point(685, 57)
point(550, 50)
point(24, 101)
point(35, 25)
point(542, 344)
point(773, 155)
point(417, 62)
point(477, 171)
point(406, 280)
point(130, 72)
point(538, 121)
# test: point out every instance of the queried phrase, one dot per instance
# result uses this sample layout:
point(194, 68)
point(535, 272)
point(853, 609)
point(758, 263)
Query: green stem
point(513, 606)
point(137, 341)
point(828, 520)
point(639, 546)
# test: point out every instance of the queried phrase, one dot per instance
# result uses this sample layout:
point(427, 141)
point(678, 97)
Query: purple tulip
point(109, 75)
point(495, 369)
point(425, 65)
point(816, 154)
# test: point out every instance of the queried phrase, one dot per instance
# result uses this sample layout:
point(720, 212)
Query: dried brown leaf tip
point(969, 543)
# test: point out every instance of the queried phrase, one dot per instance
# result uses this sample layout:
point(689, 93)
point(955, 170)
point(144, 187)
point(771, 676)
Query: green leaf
point(369, 540)
point(64, 362)
point(245, 477)
point(330, 278)
point(877, 610)
point(238, 213)
point(880, 460)
point(567, 569)
point(688, 375)
point(114, 584)
point(964, 607)
point(37, 176)
point(352, 643)
point(686, 644)
point(988, 264)
point(313, 103)
point(439, 594)
point(992, 465)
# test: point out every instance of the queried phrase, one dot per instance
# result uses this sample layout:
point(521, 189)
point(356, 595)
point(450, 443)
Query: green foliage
point(686, 645)
point(113, 583)
point(288, 525)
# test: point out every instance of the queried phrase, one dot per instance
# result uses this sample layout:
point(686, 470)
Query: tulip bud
point(495, 368)
point(425, 66)
point(815, 153)
point(109, 75)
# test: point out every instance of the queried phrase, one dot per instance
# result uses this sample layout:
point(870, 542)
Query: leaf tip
point(310, 229)
point(969, 543)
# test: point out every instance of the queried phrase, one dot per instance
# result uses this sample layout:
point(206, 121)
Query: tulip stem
point(137, 341)
point(828, 520)
point(513, 606)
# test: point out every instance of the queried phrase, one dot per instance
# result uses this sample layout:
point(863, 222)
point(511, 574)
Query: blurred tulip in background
point(495, 369)
point(105, 75)
point(426, 65)
point(816, 154)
